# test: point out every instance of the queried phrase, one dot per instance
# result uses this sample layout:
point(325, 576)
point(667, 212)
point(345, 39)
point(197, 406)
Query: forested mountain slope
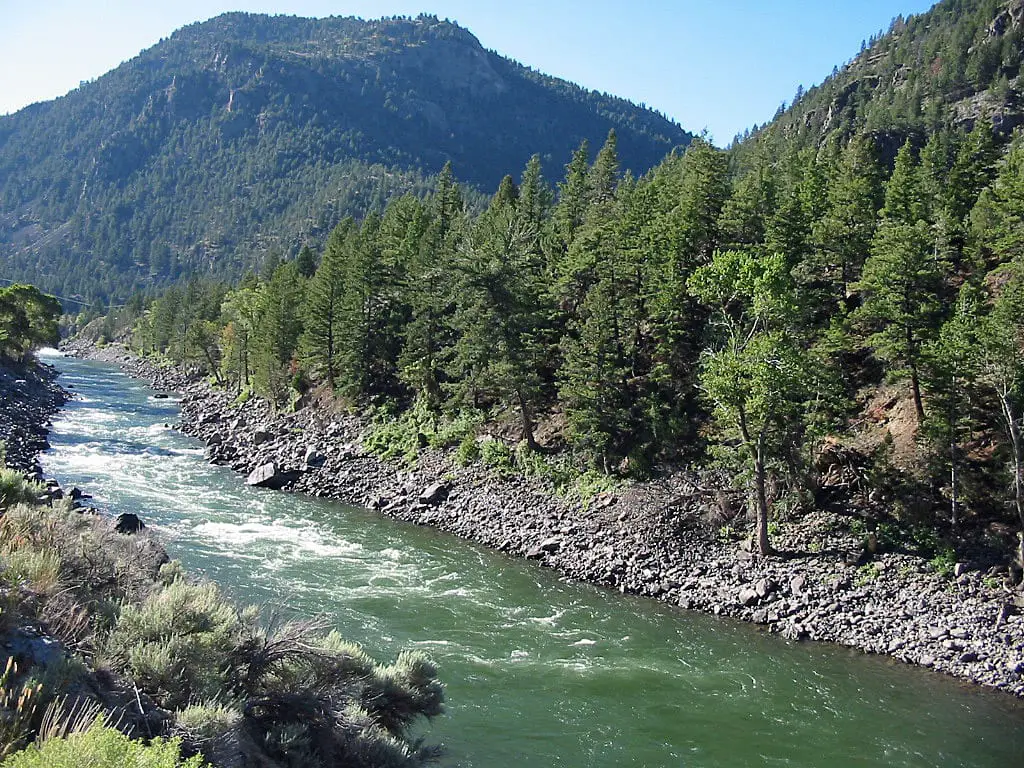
point(960, 60)
point(832, 321)
point(250, 133)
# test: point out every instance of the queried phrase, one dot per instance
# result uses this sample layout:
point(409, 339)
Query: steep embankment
point(649, 539)
point(29, 395)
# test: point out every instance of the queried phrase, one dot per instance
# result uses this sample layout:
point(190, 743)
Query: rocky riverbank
point(30, 395)
point(650, 539)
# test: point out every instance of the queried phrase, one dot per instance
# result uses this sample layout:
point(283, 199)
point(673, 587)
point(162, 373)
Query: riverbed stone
point(268, 475)
point(313, 457)
point(128, 523)
point(435, 493)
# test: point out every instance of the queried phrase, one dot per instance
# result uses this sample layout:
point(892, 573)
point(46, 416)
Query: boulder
point(260, 436)
point(798, 584)
point(161, 396)
point(313, 457)
point(270, 476)
point(128, 523)
point(748, 596)
point(548, 546)
point(434, 494)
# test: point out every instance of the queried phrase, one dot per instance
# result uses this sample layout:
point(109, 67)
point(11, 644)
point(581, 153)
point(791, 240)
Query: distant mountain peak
point(248, 133)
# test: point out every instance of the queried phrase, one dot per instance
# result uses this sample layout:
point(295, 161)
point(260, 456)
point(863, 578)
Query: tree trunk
point(915, 386)
point(524, 411)
point(764, 546)
point(213, 366)
point(954, 485)
point(1017, 444)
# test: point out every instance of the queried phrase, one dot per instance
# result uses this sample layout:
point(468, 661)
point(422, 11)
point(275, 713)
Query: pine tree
point(306, 262)
point(240, 314)
point(679, 241)
point(949, 368)
point(322, 310)
point(278, 332)
point(499, 315)
point(902, 282)
point(843, 235)
point(1001, 369)
point(428, 292)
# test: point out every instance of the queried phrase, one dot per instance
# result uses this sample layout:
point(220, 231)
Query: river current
point(539, 672)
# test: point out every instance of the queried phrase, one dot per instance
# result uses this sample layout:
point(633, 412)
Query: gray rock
point(551, 545)
point(313, 457)
point(128, 523)
point(434, 494)
point(748, 596)
point(798, 584)
point(269, 476)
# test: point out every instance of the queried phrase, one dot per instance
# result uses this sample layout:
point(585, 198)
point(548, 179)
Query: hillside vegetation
point(100, 632)
point(830, 327)
point(249, 135)
point(957, 63)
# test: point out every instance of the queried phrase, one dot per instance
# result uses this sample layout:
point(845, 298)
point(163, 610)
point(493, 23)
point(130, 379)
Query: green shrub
point(497, 455)
point(38, 569)
point(468, 451)
point(591, 484)
point(101, 747)
point(18, 703)
point(944, 562)
point(201, 722)
point(394, 437)
point(15, 488)
point(171, 572)
point(866, 574)
point(177, 643)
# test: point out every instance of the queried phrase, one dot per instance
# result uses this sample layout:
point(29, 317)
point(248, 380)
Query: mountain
point(943, 68)
point(250, 134)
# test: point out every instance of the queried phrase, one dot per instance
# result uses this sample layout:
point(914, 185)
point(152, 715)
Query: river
point(539, 672)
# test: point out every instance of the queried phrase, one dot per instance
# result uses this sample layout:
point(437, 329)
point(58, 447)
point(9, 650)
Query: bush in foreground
point(176, 658)
point(101, 747)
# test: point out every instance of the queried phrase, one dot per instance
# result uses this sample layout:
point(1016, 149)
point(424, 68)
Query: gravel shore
point(649, 539)
point(29, 395)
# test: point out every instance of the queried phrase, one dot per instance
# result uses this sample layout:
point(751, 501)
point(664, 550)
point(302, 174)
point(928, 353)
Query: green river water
point(539, 672)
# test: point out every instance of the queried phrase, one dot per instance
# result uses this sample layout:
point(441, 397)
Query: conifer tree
point(903, 281)
point(499, 318)
point(681, 240)
point(306, 262)
point(429, 293)
point(278, 332)
point(240, 314)
point(322, 310)
point(843, 235)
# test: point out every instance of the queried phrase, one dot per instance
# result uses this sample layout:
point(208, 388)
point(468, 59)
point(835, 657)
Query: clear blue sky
point(717, 65)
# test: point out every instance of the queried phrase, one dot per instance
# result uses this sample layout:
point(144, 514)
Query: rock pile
point(29, 396)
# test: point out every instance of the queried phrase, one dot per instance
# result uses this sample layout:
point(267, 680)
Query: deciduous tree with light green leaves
point(28, 320)
point(757, 376)
point(1001, 368)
